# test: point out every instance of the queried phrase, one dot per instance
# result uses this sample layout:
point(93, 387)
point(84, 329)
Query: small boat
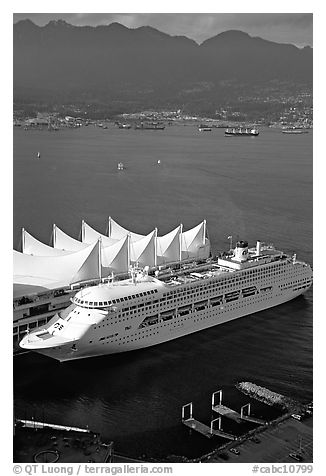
point(39, 155)
point(294, 130)
point(158, 162)
point(120, 166)
point(124, 126)
point(241, 132)
point(204, 128)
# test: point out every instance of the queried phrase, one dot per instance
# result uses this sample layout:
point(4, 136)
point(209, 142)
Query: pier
point(250, 418)
point(222, 409)
point(233, 414)
point(38, 424)
point(205, 430)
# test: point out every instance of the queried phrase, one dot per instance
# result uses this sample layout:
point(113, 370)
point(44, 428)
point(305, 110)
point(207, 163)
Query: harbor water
point(251, 188)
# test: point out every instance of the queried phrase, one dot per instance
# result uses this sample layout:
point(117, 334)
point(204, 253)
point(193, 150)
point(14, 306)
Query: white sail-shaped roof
point(117, 232)
point(89, 235)
point(143, 251)
point(115, 258)
point(62, 241)
point(168, 246)
point(32, 246)
point(57, 271)
point(192, 240)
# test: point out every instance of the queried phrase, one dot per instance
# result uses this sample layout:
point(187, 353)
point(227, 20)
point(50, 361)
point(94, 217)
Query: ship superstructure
point(146, 310)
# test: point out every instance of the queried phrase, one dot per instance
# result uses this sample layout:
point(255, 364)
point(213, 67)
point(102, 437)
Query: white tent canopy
point(62, 241)
point(143, 251)
point(115, 258)
point(70, 260)
point(89, 235)
point(55, 271)
point(117, 232)
point(32, 246)
point(194, 243)
point(168, 246)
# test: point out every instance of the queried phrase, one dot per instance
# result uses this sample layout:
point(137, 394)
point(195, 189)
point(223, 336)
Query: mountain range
point(145, 67)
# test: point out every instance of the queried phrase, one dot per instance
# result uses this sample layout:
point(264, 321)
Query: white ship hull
point(179, 327)
point(145, 311)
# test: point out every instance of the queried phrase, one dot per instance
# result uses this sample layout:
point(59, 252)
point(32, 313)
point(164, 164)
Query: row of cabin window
point(115, 301)
point(200, 292)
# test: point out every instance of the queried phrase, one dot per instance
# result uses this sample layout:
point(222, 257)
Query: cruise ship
point(146, 310)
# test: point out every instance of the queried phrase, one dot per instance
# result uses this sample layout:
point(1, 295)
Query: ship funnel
point(241, 251)
point(258, 248)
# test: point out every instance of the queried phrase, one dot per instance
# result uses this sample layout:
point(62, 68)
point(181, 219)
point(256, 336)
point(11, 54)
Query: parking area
point(274, 445)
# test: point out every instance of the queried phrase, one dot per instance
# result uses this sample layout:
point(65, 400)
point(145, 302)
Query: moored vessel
point(146, 310)
point(204, 128)
point(154, 126)
point(123, 125)
point(241, 132)
point(294, 130)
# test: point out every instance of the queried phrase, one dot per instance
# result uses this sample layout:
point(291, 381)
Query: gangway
point(196, 425)
point(208, 431)
point(222, 409)
point(250, 418)
point(234, 415)
point(219, 432)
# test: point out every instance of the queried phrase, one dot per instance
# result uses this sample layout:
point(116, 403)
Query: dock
point(222, 409)
point(198, 426)
point(205, 430)
point(249, 417)
point(227, 412)
point(37, 424)
point(233, 414)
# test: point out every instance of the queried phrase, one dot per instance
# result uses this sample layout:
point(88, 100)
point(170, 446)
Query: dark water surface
point(252, 188)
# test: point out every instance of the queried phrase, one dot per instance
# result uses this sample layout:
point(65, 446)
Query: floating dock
point(38, 424)
point(222, 409)
point(249, 417)
point(232, 414)
point(205, 430)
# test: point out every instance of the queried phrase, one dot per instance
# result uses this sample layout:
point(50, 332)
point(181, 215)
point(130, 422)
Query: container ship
point(145, 310)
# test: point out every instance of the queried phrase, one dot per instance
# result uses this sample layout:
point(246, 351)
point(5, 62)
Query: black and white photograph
point(162, 188)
